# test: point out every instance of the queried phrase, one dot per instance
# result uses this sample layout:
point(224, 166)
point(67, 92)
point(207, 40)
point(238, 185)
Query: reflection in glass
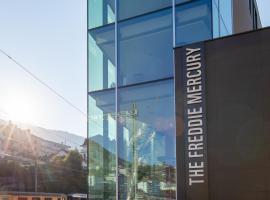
point(182, 1)
point(100, 12)
point(146, 142)
point(102, 145)
point(101, 54)
point(215, 18)
point(145, 48)
point(222, 18)
point(225, 7)
point(131, 8)
point(193, 22)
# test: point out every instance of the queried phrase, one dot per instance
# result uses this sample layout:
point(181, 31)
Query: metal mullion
point(219, 32)
point(174, 25)
point(174, 101)
point(212, 19)
point(87, 108)
point(116, 93)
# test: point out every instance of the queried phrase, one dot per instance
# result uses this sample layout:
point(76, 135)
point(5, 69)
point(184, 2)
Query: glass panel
point(131, 8)
point(102, 144)
point(225, 7)
point(101, 63)
point(182, 1)
point(223, 29)
point(100, 12)
point(216, 33)
point(145, 48)
point(146, 142)
point(193, 22)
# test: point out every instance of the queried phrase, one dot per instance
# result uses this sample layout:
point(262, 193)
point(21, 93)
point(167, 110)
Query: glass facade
point(222, 18)
point(100, 13)
point(146, 147)
point(102, 145)
point(131, 117)
point(101, 55)
point(193, 22)
point(145, 48)
point(131, 8)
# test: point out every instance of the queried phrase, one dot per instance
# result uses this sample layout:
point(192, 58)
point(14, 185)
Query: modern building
point(223, 118)
point(131, 88)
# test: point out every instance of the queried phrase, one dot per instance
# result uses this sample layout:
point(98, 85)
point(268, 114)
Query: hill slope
point(57, 136)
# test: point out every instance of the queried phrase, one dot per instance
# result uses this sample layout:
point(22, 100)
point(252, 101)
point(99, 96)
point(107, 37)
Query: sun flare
point(20, 107)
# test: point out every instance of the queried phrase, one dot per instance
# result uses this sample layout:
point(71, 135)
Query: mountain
point(58, 136)
point(109, 145)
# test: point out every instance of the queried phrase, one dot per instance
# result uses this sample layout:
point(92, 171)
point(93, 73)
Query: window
point(193, 22)
point(101, 55)
point(48, 198)
point(145, 48)
point(102, 144)
point(35, 198)
point(131, 8)
point(215, 13)
point(182, 1)
point(146, 141)
point(100, 12)
point(222, 18)
point(225, 7)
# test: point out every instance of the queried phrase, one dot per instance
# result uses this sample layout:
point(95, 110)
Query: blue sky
point(264, 6)
point(49, 37)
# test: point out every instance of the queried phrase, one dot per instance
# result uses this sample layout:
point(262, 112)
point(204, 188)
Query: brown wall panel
point(238, 115)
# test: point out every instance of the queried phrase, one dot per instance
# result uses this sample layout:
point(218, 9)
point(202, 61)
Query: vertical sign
point(195, 140)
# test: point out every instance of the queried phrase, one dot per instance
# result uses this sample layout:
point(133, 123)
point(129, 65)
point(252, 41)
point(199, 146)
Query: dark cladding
point(193, 87)
point(131, 104)
point(194, 116)
point(237, 80)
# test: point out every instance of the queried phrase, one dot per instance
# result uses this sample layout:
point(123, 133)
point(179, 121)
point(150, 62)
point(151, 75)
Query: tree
point(67, 174)
point(64, 174)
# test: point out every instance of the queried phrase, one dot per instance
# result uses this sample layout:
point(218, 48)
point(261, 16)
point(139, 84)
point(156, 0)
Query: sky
point(49, 38)
point(264, 7)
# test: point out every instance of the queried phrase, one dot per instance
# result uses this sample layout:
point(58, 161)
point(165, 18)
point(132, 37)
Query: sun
point(19, 106)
